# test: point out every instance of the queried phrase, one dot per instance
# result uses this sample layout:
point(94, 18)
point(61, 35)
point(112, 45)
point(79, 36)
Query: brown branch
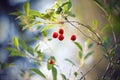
point(81, 31)
point(89, 28)
point(106, 71)
point(91, 68)
point(84, 76)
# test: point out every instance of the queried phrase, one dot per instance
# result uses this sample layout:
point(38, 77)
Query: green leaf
point(53, 58)
point(54, 73)
point(90, 45)
point(28, 26)
point(69, 5)
point(70, 61)
point(26, 8)
point(22, 44)
point(35, 13)
point(59, 10)
point(50, 11)
point(66, 6)
point(49, 66)
point(14, 52)
point(26, 47)
point(38, 72)
point(40, 55)
point(63, 77)
point(70, 14)
point(75, 74)
point(88, 41)
point(17, 13)
point(38, 27)
point(30, 50)
point(44, 33)
point(4, 66)
point(88, 55)
point(95, 23)
point(37, 46)
point(16, 42)
point(57, 4)
point(78, 45)
point(49, 39)
point(47, 27)
point(80, 54)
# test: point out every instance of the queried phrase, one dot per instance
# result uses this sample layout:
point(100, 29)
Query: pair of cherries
point(60, 35)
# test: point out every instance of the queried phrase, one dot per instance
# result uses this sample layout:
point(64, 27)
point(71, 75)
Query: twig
point(81, 31)
point(107, 53)
point(109, 65)
point(101, 7)
point(89, 28)
point(84, 76)
point(70, 71)
point(91, 69)
point(113, 33)
point(106, 71)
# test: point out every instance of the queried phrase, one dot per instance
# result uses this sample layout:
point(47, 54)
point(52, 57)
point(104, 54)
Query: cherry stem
point(81, 31)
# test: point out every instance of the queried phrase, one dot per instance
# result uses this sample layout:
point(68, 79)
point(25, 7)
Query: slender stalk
point(81, 31)
point(108, 54)
point(106, 71)
point(70, 71)
point(89, 28)
point(113, 33)
point(91, 68)
point(84, 76)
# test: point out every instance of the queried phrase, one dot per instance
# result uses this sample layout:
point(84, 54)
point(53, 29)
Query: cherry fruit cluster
point(60, 35)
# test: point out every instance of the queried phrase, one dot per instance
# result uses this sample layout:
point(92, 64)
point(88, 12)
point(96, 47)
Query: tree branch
point(91, 68)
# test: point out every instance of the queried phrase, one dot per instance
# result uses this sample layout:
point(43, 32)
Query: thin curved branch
point(91, 68)
point(81, 31)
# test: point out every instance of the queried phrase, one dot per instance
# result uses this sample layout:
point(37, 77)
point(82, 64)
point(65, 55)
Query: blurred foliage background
point(105, 13)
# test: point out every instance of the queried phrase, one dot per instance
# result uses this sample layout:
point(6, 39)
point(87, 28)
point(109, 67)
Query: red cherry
point(73, 37)
point(55, 35)
point(51, 61)
point(61, 37)
point(61, 31)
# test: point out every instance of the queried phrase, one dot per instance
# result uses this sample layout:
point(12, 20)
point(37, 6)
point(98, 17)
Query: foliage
point(54, 73)
point(38, 72)
point(63, 77)
point(48, 20)
point(50, 66)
